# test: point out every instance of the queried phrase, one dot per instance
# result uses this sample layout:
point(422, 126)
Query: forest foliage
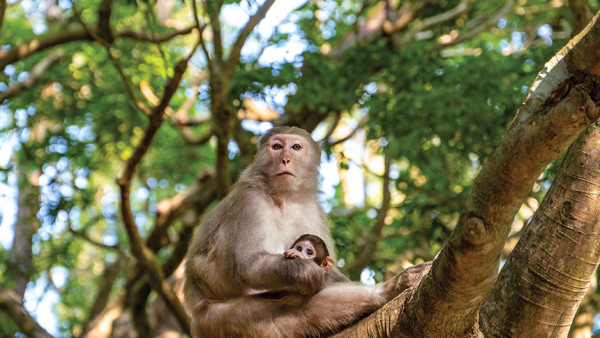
point(407, 112)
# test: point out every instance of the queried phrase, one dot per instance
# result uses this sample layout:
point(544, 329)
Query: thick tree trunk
point(549, 271)
point(583, 323)
point(561, 104)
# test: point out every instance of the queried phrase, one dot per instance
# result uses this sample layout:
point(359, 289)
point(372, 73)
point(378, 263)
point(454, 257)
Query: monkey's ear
point(327, 263)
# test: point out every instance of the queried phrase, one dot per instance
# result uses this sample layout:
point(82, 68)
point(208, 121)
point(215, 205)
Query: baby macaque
point(311, 247)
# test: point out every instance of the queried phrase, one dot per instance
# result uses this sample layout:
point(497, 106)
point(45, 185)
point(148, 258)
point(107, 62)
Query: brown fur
point(236, 255)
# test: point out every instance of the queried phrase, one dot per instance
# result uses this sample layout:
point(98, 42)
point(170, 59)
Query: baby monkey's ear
point(327, 263)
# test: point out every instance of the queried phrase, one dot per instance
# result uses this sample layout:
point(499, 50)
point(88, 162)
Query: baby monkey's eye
point(299, 248)
point(297, 146)
point(309, 252)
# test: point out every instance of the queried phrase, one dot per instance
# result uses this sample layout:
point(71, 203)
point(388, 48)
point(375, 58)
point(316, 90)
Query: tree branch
point(459, 9)
point(384, 322)
point(337, 117)
point(13, 307)
point(552, 271)
point(562, 102)
point(365, 253)
point(101, 325)
point(72, 33)
point(556, 110)
point(253, 111)
point(215, 24)
point(192, 138)
point(146, 36)
point(201, 26)
point(168, 210)
point(361, 124)
point(142, 253)
point(581, 15)
point(382, 19)
point(98, 37)
point(109, 276)
point(234, 56)
point(27, 225)
point(180, 119)
point(36, 72)
point(93, 242)
point(69, 34)
point(3, 6)
point(473, 32)
point(190, 208)
point(104, 29)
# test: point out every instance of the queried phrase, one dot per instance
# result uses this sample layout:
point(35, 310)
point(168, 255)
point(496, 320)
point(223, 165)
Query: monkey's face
point(289, 158)
point(305, 249)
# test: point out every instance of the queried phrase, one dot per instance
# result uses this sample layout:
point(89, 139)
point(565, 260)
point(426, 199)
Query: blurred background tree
point(163, 101)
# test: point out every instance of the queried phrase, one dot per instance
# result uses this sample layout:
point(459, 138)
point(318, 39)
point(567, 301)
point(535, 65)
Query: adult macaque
point(237, 253)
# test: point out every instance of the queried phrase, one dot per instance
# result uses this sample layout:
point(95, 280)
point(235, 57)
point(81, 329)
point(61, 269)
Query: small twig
point(94, 242)
point(71, 33)
point(147, 37)
point(114, 61)
point(365, 254)
point(189, 121)
point(332, 127)
point(234, 56)
point(460, 8)
point(200, 26)
point(36, 72)
point(361, 124)
point(191, 138)
point(480, 28)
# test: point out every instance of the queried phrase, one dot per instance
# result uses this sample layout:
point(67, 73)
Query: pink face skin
point(304, 250)
point(289, 153)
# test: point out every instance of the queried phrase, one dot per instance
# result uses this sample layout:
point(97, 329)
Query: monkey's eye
point(309, 252)
point(277, 146)
point(299, 248)
point(297, 146)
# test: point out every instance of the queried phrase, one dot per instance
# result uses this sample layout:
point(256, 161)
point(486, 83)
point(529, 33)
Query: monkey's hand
point(291, 253)
point(406, 279)
point(274, 273)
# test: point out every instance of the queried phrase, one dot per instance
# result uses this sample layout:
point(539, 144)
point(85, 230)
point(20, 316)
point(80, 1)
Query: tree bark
point(560, 105)
point(12, 305)
point(27, 225)
point(545, 278)
point(581, 15)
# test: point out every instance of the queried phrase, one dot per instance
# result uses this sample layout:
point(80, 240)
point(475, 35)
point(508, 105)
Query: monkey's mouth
point(285, 173)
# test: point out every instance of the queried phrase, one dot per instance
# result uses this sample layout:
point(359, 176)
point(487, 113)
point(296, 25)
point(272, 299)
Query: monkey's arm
point(334, 276)
point(263, 271)
point(209, 279)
